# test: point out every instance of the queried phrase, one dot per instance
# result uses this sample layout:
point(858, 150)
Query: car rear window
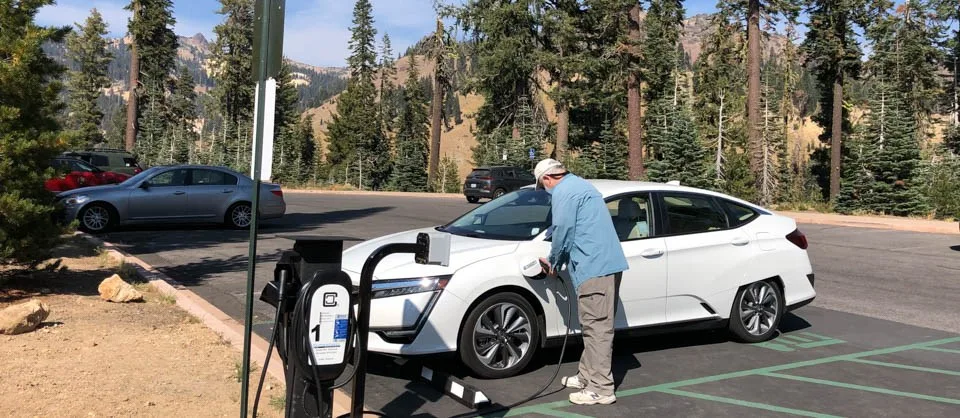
point(99, 160)
point(480, 173)
point(739, 214)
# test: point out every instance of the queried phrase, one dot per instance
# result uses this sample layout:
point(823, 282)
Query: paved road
point(906, 277)
point(880, 340)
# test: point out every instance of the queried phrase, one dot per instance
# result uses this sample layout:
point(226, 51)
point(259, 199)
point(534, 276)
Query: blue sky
point(316, 30)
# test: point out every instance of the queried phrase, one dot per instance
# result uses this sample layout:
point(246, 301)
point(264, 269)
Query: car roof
point(609, 188)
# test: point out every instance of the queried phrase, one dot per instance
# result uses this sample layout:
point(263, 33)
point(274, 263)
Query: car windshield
point(516, 216)
point(87, 167)
point(142, 175)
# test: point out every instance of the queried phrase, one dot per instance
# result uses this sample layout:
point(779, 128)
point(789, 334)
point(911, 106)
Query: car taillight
point(798, 239)
point(278, 192)
point(483, 178)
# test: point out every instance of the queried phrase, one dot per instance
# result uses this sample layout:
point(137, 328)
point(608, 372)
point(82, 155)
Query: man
point(584, 239)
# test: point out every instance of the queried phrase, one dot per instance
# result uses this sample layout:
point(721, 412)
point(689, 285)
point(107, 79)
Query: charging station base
point(457, 389)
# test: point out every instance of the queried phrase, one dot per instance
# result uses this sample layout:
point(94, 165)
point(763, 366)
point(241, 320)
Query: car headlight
point(400, 287)
point(76, 200)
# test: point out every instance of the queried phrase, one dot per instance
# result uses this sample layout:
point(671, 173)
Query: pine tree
point(441, 51)
point(856, 189)
point(115, 126)
point(613, 155)
point(681, 155)
point(563, 55)
point(234, 91)
point(451, 180)
point(719, 91)
point(389, 100)
point(354, 141)
point(286, 149)
point(409, 173)
point(834, 56)
point(29, 106)
point(87, 50)
point(310, 159)
point(772, 133)
point(183, 113)
point(948, 17)
point(892, 137)
point(152, 31)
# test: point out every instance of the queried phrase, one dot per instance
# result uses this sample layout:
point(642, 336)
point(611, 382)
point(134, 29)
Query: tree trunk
point(563, 130)
point(753, 88)
point(435, 129)
point(130, 136)
point(718, 167)
point(956, 94)
point(835, 145)
point(634, 128)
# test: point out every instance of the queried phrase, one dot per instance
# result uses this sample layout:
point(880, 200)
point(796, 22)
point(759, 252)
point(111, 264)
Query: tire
point(239, 216)
point(509, 348)
point(752, 323)
point(473, 199)
point(97, 218)
point(499, 192)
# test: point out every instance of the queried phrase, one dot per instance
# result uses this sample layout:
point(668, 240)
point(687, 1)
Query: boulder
point(25, 317)
point(114, 289)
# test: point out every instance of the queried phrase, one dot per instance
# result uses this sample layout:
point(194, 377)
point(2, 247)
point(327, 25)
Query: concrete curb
point(876, 222)
point(363, 193)
point(215, 319)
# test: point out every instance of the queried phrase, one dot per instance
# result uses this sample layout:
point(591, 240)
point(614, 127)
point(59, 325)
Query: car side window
point(739, 214)
point(631, 216)
point(170, 178)
point(212, 178)
point(511, 174)
point(99, 160)
point(692, 214)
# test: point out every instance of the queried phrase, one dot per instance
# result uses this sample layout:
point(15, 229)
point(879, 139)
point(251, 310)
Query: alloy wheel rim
point(241, 215)
point(759, 307)
point(96, 218)
point(501, 336)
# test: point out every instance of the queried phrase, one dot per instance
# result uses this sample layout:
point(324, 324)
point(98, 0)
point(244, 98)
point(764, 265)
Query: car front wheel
point(240, 215)
point(757, 311)
point(97, 218)
point(499, 336)
point(473, 199)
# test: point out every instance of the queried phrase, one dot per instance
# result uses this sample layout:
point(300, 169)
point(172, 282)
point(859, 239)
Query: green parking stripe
point(556, 413)
point(940, 350)
point(864, 388)
point(732, 375)
point(906, 366)
point(794, 338)
point(748, 404)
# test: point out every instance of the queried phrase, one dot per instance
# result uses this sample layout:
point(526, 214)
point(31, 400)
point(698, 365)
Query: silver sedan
point(173, 194)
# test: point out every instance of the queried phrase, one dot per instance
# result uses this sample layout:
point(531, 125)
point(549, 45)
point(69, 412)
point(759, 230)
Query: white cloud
point(69, 12)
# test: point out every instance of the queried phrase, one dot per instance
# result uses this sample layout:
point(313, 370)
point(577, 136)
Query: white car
point(697, 258)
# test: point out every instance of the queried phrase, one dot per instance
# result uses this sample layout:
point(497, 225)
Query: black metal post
point(363, 318)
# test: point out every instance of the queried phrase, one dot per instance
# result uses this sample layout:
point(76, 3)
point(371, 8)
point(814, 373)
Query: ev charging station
point(316, 331)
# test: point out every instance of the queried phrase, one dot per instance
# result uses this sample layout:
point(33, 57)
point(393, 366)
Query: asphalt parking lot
point(882, 338)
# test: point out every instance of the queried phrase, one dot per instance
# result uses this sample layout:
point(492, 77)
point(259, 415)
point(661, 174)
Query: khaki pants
point(597, 305)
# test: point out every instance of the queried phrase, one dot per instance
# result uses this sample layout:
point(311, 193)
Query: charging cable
point(546, 385)
point(273, 338)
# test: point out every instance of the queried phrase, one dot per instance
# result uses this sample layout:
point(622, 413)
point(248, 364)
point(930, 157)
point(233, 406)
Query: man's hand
point(547, 268)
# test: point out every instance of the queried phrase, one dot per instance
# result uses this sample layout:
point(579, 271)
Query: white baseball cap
point(546, 166)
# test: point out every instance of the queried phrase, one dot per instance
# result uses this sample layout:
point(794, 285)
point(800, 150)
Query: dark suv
point(493, 182)
point(109, 159)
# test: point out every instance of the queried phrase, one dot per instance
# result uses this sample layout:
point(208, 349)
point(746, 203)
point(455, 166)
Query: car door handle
point(228, 191)
point(179, 192)
point(740, 241)
point(652, 253)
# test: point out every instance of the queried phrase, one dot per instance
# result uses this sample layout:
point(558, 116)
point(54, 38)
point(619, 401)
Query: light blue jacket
point(583, 238)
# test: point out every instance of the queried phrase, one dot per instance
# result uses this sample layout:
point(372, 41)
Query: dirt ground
point(92, 358)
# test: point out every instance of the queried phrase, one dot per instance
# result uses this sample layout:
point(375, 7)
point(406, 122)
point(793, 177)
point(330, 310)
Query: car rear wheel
point(97, 218)
point(499, 336)
point(757, 311)
point(473, 199)
point(239, 215)
point(499, 192)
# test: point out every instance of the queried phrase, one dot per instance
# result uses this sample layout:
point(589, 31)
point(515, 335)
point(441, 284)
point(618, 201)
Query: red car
point(76, 173)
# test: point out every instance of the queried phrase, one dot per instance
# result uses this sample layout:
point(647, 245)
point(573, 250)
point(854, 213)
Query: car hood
point(463, 252)
point(89, 190)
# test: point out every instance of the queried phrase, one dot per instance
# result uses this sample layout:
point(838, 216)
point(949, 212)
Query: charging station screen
point(329, 320)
